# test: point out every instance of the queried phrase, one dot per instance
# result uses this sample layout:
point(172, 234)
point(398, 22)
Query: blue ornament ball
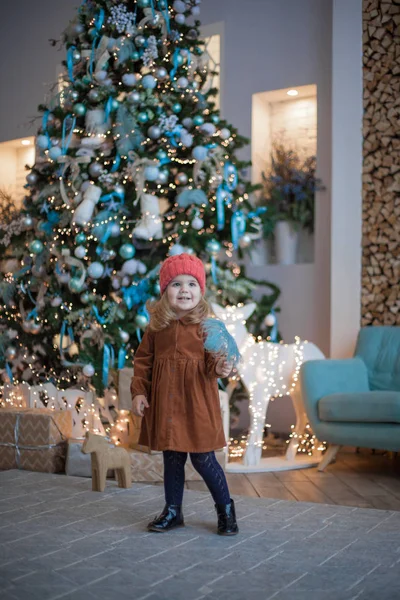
point(42, 142)
point(36, 246)
point(199, 152)
point(187, 122)
point(182, 82)
point(149, 82)
point(161, 154)
point(141, 321)
point(143, 3)
point(154, 132)
point(213, 247)
point(114, 104)
point(85, 298)
point(127, 251)
point(151, 173)
point(157, 289)
point(79, 109)
point(143, 117)
point(75, 285)
point(176, 249)
point(80, 238)
point(95, 270)
point(215, 119)
point(135, 56)
point(55, 152)
point(198, 120)
point(177, 107)
point(180, 19)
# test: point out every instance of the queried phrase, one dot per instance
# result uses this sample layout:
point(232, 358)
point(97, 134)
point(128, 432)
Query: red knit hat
point(182, 264)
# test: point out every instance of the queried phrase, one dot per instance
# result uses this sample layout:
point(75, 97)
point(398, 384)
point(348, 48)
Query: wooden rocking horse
point(104, 457)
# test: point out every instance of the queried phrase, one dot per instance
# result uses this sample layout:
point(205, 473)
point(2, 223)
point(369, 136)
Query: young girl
point(175, 389)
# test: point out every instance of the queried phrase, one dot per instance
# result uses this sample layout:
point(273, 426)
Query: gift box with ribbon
point(34, 439)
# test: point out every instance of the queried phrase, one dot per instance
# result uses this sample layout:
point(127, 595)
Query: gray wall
point(28, 62)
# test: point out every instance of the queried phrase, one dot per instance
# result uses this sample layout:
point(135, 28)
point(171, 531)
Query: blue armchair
point(356, 401)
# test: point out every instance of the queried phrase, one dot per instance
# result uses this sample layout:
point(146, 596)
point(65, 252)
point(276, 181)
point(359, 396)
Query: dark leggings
point(205, 464)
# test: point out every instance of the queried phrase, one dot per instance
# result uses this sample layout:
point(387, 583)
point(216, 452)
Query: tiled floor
point(61, 540)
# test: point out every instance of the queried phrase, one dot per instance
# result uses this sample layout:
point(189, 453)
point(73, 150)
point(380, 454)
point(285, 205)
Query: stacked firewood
point(381, 171)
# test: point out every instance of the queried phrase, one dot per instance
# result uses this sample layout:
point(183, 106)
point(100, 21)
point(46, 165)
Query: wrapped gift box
point(34, 439)
point(82, 404)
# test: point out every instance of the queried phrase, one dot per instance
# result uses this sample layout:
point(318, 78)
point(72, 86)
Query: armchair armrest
point(319, 378)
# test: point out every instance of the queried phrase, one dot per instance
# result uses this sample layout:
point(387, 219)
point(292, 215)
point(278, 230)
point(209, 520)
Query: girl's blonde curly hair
point(162, 314)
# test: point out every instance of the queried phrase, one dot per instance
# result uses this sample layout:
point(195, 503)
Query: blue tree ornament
point(188, 197)
point(219, 341)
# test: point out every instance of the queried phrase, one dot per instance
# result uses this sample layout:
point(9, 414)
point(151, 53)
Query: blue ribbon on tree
point(136, 294)
point(99, 318)
point(121, 357)
point(22, 272)
point(66, 139)
point(116, 164)
point(238, 227)
point(164, 10)
point(108, 108)
point(111, 195)
point(175, 63)
point(255, 213)
point(70, 62)
point(52, 220)
point(108, 360)
point(171, 134)
point(229, 171)
point(222, 197)
point(224, 192)
point(65, 328)
point(45, 119)
point(238, 223)
point(214, 270)
point(98, 24)
point(9, 373)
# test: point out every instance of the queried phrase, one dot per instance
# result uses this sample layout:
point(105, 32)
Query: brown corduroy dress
point(178, 378)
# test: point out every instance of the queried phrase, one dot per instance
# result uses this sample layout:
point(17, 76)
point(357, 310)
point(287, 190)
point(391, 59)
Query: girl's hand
point(223, 367)
point(139, 403)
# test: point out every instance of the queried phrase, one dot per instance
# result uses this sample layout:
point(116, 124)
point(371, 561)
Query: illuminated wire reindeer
point(267, 370)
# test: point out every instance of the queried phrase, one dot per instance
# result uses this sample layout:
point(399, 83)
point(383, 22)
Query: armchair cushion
point(379, 348)
point(365, 407)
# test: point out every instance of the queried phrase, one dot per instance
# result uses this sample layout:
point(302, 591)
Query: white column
point(346, 215)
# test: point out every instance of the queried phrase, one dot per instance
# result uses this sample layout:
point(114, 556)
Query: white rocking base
point(274, 463)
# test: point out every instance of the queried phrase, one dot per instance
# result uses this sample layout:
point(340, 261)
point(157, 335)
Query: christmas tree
point(133, 163)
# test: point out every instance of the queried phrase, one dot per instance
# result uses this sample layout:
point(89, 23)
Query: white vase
point(286, 241)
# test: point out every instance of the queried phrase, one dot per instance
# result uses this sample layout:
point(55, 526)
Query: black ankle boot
point(227, 524)
point(170, 517)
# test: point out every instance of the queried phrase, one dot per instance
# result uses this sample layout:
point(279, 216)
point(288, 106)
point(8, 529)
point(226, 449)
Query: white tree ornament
point(150, 225)
point(84, 211)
